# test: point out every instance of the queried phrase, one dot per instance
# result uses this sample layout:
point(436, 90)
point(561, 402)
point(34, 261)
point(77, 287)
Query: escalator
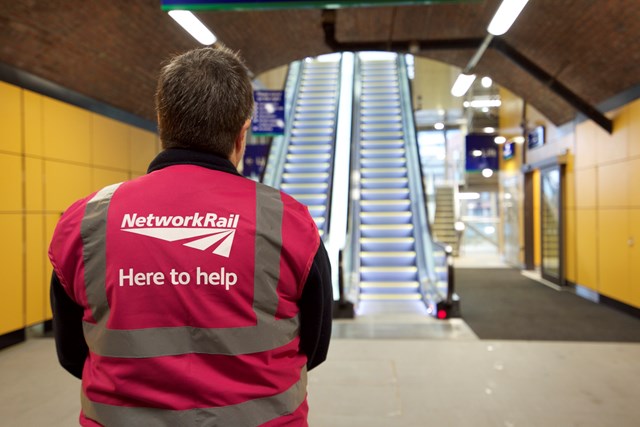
point(307, 168)
point(388, 268)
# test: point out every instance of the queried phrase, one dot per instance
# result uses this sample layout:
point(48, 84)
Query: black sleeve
point(316, 306)
point(67, 328)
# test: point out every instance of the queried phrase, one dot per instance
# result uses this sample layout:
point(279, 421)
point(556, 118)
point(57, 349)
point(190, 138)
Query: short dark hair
point(203, 99)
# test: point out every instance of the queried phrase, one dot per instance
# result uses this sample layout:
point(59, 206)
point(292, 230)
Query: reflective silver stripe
point(267, 334)
point(155, 342)
point(246, 414)
point(93, 231)
point(267, 251)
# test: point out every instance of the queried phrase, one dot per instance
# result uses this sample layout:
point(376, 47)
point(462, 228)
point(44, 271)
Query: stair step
point(383, 172)
point(381, 274)
point(384, 194)
point(306, 167)
point(388, 259)
point(385, 217)
point(304, 188)
point(387, 243)
point(381, 161)
point(305, 158)
point(310, 149)
point(386, 206)
point(386, 230)
point(305, 177)
point(384, 182)
point(311, 199)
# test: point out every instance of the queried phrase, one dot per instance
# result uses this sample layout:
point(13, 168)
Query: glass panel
point(551, 231)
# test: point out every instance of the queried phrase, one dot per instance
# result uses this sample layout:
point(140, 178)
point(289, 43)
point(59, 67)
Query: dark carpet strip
point(502, 304)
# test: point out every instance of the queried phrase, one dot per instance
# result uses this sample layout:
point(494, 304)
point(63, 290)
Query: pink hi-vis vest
point(189, 279)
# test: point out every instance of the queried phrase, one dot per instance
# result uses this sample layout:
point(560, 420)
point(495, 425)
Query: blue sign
point(255, 160)
point(535, 138)
point(508, 150)
point(482, 153)
point(268, 118)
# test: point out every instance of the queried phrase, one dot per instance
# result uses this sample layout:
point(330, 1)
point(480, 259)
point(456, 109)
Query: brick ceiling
point(111, 50)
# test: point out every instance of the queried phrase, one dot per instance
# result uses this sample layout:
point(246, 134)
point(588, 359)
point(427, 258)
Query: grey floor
point(390, 369)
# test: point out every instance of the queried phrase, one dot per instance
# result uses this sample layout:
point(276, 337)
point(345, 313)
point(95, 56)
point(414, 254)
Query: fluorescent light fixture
point(439, 126)
point(193, 26)
point(486, 82)
point(499, 139)
point(489, 130)
point(485, 103)
point(505, 16)
point(468, 196)
point(462, 84)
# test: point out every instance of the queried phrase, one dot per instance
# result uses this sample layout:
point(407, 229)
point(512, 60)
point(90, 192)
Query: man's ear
point(240, 143)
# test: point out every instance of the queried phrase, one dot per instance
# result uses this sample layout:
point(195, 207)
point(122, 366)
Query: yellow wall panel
point(570, 183)
point(537, 257)
point(35, 258)
point(586, 248)
point(586, 187)
point(613, 185)
point(634, 128)
point(144, 147)
point(65, 183)
point(67, 132)
point(103, 177)
point(634, 257)
point(110, 140)
point(34, 183)
point(613, 254)
point(10, 182)
point(585, 144)
point(612, 147)
point(570, 245)
point(11, 265)
point(50, 222)
point(10, 122)
point(634, 182)
point(33, 138)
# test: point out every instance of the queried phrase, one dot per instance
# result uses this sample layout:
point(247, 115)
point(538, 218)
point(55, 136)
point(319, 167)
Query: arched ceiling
point(583, 52)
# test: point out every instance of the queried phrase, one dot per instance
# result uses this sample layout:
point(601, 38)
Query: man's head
point(204, 101)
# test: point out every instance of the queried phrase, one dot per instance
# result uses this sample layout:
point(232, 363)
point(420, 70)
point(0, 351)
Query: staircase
point(388, 269)
point(443, 228)
point(307, 167)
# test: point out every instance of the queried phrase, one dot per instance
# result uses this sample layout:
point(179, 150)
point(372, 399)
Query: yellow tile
point(10, 118)
point(11, 265)
point(34, 184)
point(33, 138)
point(586, 248)
point(144, 147)
point(100, 178)
point(585, 144)
point(613, 254)
point(10, 182)
point(67, 132)
point(64, 184)
point(634, 128)
point(37, 284)
point(536, 219)
point(634, 258)
point(110, 140)
point(613, 184)
point(570, 245)
point(585, 187)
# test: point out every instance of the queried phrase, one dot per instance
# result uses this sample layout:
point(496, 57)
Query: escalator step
point(306, 167)
point(383, 172)
point(380, 274)
point(385, 217)
point(384, 182)
point(310, 149)
point(383, 162)
point(387, 243)
point(305, 177)
point(306, 158)
point(304, 188)
point(381, 126)
point(394, 297)
point(311, 199)
point(384, 194)
point(386, 230)
point(312, 131)
point(383, 153)
point(388, 259)
point(390, 285)
point(385, 206)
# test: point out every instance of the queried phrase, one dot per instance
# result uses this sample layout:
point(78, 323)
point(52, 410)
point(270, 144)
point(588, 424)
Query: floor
point(407, 370)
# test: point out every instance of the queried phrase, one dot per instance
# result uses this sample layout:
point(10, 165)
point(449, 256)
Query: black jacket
point(315, 303)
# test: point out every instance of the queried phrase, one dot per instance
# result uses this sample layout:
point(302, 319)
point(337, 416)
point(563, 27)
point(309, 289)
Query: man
point(192, 296)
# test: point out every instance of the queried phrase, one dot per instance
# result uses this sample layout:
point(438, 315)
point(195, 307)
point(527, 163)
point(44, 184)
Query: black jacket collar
point(181, 156)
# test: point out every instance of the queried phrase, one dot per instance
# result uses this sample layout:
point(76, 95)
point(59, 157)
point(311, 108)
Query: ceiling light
point(505, 16)
point(462, 84)
point(486, 82)
point(489, 130)
point(193, 26)
point(468, 196)
point(487, 173)
point(439, 126)
point(499, 139)
point(519, 139)
point(484, 103)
